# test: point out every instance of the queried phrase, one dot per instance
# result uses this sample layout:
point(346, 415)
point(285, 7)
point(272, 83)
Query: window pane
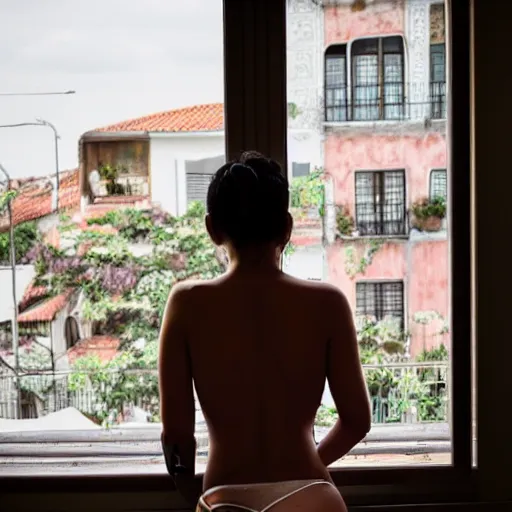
point(336, 84)
point(438, 185)
point(437, 61)
point(378, 233)
point(139, 141)
point(366, 87)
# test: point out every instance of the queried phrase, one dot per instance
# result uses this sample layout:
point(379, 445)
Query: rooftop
point(34, 199)
point(46, 310)
point(105, 347)
point(198, 118)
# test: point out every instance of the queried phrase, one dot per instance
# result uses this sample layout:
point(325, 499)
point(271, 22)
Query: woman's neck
point(254, 260)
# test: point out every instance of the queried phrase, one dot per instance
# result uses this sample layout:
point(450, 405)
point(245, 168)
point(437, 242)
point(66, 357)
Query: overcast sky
point(125, 58)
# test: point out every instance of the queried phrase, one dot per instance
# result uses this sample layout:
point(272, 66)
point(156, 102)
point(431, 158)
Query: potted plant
point(344, 222)
point(109, 175)
point(429, 213)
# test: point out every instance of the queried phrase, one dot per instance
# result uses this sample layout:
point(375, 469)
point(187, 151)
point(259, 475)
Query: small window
point(437, 62)
point(336, 83)
point(380, 202)
point(378, 79)
point(71, 332)
point(380, 300)
point(438, 187)
point(299, 169)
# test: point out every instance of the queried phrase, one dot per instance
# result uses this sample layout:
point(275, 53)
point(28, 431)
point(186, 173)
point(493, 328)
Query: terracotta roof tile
point(105, 347)
point(32, 294)
point(46, 311)
point(198, 118)
point(34, 199)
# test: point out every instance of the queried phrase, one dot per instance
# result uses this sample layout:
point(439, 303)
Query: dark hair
point(248, 200)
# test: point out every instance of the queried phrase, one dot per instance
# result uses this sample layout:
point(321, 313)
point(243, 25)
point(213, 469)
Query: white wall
point(168, 153)
point(304, 146)
point(305, 263)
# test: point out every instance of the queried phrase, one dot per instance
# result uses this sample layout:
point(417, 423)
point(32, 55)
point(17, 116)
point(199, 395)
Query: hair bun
point(239, 170)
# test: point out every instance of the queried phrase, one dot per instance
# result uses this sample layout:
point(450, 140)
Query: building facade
point(372, 89)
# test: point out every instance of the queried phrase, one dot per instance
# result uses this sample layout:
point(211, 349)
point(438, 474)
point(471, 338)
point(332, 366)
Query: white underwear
point(269, 497)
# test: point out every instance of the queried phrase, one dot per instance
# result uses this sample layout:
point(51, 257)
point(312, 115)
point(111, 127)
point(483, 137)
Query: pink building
point(384, 150)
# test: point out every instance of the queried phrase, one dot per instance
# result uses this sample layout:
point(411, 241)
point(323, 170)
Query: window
point(299, 169)
point(336, 83)
point(71, 332)
point(438, 184)
point(377, 79)
point(376, 150)
point(381, 300)
point(380, 202)
point(437, 62)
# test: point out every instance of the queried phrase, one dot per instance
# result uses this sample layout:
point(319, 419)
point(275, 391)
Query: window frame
point(255, 117)
point(430, 182)
point(381, 82)
point(380, 283)
point(329, 53)
point(381, 222)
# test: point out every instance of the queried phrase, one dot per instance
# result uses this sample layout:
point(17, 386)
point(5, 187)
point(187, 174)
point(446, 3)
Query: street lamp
point(15, 338)
point(56, 136)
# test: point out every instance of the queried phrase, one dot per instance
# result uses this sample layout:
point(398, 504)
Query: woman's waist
point(239, 466)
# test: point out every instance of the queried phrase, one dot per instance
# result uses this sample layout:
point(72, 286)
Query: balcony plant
point(344, 221)
point(109, 174)
point(429, 213)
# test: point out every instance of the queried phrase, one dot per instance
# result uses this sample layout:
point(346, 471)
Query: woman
point(258, 346)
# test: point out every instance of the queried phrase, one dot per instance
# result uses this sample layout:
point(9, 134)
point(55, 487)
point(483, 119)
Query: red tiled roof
point(32, 294)
point(34, 199)
point(105, 347)
point(199, 118)
point(46, 311)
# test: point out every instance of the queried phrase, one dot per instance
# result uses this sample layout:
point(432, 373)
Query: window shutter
point(197, 187)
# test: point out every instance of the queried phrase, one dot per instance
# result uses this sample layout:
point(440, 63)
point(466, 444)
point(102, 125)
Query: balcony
point(438, 100)
point(391, 101)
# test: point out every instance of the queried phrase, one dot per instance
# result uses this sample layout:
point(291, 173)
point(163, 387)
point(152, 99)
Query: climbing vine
point(353, 267)
point(25, 236)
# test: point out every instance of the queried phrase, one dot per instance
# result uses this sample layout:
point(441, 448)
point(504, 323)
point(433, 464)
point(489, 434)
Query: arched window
point(71, 332)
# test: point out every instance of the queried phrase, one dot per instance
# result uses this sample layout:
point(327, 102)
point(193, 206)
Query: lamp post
point(15, 337)
point(51, 93)
point(56, 137)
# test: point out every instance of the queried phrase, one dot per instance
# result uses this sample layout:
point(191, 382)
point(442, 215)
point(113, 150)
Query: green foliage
point(344, 222)
point(25, 236)
point(196, 210)
point(293, 110)
point(352, 268)
point(156, 286)
point(116, 385)
point(110, 173)
point(439, 353)
point(426, 208)
point(326, 416)
point(308, 191)
point(6, 197)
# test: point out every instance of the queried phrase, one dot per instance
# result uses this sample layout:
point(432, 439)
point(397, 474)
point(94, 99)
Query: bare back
point(258, 350)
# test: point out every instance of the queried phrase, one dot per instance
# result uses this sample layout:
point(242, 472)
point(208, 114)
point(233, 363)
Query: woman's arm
point(177, 407)
point(346, 382)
